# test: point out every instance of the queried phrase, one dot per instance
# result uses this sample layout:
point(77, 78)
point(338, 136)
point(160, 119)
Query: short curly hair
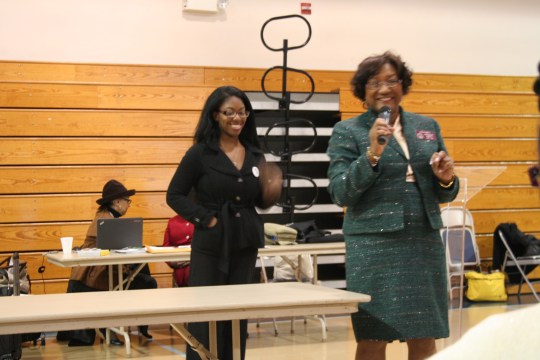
point(370, 66)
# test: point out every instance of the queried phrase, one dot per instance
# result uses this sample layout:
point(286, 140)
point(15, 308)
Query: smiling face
point(231, 117)
point(383, 95)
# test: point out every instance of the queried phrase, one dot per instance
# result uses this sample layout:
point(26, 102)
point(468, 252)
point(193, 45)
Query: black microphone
point(384, 113)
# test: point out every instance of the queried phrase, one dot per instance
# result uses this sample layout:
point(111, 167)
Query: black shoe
point(117, 342)
point(143, 330)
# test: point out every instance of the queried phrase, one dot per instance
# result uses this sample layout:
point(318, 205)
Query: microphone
point(384, 113)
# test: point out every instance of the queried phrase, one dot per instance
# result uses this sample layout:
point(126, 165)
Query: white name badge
point(255, 171)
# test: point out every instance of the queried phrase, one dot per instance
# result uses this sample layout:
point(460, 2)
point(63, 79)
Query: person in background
point(228, 176)
point(179, 232)
point(114, 203)
point(392, 175)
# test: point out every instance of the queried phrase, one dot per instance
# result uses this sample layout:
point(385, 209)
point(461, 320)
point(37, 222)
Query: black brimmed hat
point(114, 190)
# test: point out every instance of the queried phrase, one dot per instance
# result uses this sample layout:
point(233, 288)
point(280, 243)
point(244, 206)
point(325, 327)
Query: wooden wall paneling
point(487, 126)
point(75, 207)
point(98, 151)
point(485, 222)
point(76, 96)
point(331, 81)
point(492, 150)
point(35, 95)
point(470, 103)
point(432, 102)
point(78, 179)
point(42, 287)
point(65, 151)
point(15, 71)
point(128, 123)
point(473, 83)
point(481, 126)
point(250, 79)
point(501, 198)
point(515, 174)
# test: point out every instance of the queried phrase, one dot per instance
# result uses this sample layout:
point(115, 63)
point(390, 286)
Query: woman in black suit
point(229, 177)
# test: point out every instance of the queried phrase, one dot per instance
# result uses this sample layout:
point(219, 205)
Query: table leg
point(194, 343)
point(127, 340)
point(315, 270)
point(120, 330)
point(236, 339)
point(212, 336)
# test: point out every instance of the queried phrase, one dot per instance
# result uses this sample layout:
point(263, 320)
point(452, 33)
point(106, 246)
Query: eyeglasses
point(376, 85)
point(231, 114)
point(128, 200)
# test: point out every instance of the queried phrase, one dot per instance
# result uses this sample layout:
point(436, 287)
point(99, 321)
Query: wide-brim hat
point(112, 190)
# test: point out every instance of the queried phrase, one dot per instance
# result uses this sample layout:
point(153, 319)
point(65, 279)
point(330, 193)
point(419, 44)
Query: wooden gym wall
point(68, 128)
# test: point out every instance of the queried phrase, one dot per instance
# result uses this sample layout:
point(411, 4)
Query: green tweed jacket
point(374, 193)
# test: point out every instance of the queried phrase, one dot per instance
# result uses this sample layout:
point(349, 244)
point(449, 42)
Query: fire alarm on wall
point(305, 8)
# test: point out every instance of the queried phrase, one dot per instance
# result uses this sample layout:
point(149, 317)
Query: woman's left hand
point(442, 166)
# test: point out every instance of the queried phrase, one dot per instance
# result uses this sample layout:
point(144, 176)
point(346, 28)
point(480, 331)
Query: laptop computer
point(119, 233)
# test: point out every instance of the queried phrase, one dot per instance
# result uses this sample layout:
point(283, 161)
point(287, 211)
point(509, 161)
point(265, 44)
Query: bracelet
point(446, 186)
point(372, 158)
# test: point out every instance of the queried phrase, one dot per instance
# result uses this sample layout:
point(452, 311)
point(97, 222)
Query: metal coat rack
point(285, 100)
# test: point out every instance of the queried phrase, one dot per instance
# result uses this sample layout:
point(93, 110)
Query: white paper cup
point(67, 243)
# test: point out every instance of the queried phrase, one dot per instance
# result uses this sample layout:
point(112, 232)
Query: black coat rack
point(285, 100)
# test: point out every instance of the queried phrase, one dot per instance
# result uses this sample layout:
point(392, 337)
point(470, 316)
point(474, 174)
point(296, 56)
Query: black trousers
point(143, 280)
point(204, 272)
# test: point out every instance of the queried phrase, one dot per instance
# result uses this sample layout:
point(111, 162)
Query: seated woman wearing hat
point(114, 203)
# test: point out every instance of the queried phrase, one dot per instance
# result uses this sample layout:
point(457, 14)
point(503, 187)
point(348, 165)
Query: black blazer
point(219, 189)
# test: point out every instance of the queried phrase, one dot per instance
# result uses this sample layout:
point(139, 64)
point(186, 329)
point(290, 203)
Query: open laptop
point(119, 233)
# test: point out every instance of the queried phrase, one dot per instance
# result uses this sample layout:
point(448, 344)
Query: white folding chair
point(299, 271)
point(511, 260)
point(458, 230)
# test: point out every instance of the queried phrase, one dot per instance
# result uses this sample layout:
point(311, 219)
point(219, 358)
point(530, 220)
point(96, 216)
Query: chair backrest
point(459, 229)
point(453, 239)
point(453, 216)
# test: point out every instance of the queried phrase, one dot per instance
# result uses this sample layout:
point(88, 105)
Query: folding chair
point(458, 230)
point(299, 271)
point(511, 260)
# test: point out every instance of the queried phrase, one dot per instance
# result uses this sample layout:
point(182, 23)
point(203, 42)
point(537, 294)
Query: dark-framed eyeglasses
point(231, 113)
point(376, 85)
point(128, 200)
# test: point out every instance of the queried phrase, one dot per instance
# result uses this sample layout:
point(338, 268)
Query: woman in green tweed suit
point(392, 188)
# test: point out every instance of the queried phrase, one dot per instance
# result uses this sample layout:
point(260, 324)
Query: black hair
point(371, 66)
point(208, 130)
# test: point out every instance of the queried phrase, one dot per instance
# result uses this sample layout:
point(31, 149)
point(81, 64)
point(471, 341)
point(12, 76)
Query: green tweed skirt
point(405, 274)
